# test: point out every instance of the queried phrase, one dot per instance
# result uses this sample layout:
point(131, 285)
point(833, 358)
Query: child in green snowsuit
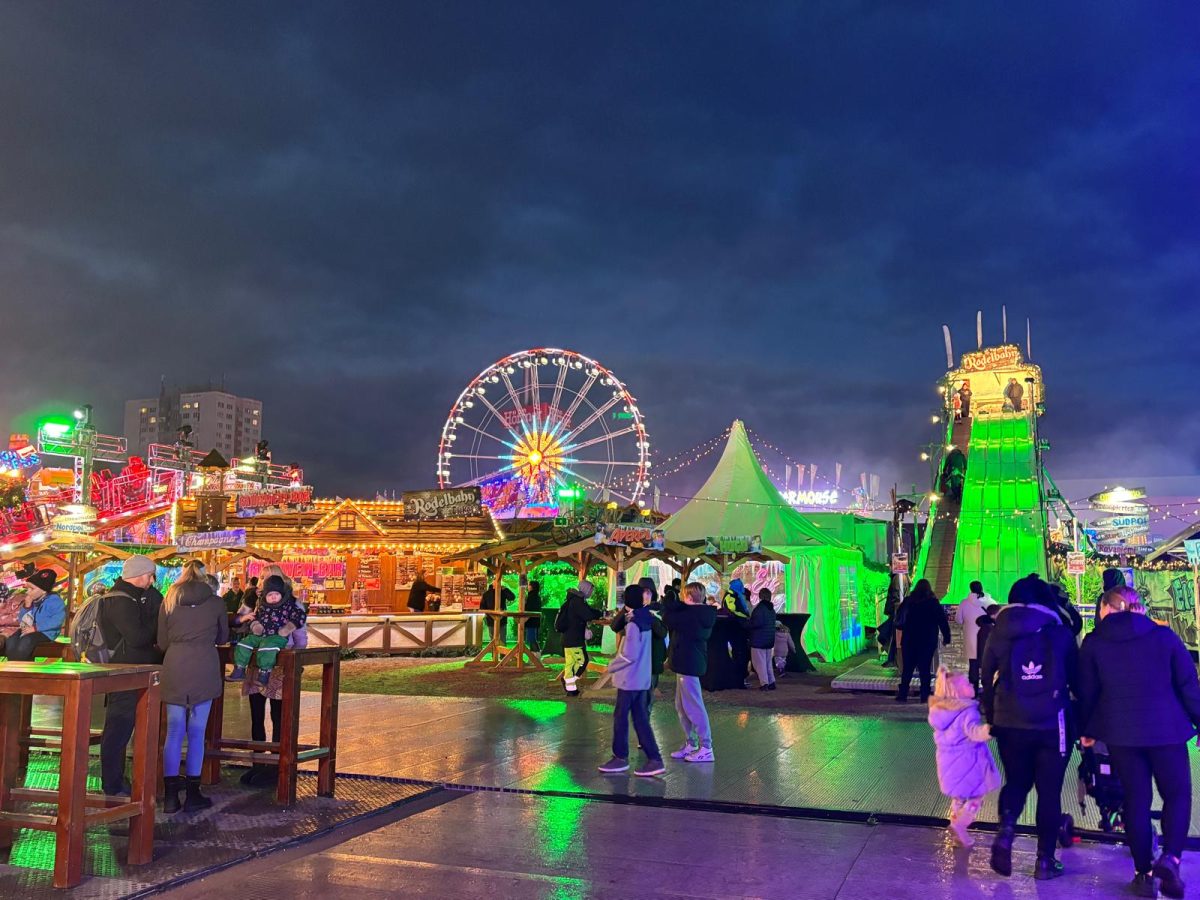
point(275, 617)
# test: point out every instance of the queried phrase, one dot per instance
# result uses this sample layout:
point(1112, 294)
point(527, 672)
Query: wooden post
point(10, 763)
point(289, 716)
point(327, 767)
point(72, 785)
point(146, 770)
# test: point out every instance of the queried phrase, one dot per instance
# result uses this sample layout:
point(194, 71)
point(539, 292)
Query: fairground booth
point(354, 562)
point(821, 575)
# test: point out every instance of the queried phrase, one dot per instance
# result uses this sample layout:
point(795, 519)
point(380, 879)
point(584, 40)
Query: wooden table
point(287, 752)
point(517, 655)
point(77, 684)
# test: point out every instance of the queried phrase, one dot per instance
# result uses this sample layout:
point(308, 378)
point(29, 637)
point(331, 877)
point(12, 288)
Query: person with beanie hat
point(127, 617)
point(658, 633)
point(572, 622)
point(1028, 671)
point(1110, 579)
point(40, 615)
point(275, 617)
point(630, 672)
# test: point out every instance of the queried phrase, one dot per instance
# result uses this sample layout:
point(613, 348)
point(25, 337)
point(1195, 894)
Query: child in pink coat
point(966, 771)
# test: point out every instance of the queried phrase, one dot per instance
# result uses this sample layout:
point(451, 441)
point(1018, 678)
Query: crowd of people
point(134, 623)
point(1129, 691)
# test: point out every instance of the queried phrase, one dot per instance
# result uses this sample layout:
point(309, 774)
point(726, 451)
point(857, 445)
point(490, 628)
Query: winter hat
point(585, 589)
point(1025, 590)
point(648, 584)
point(737, 587)
point(43, 579)
point(274, 585)
point(1113, 578)
point(634, 596)
point(136, 566)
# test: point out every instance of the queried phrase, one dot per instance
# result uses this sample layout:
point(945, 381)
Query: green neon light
point(55, 428)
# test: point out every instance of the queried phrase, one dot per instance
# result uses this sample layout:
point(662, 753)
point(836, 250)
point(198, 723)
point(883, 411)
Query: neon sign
point(812, 498)
point(1002, 357)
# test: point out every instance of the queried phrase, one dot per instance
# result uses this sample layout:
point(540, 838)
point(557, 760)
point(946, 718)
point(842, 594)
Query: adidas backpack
point(1038, 685)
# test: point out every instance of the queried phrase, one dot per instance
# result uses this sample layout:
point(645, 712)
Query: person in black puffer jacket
point(919, 620)
point(1138, 693)
point(572, 622)
point(1028, 669)
point(762, 640)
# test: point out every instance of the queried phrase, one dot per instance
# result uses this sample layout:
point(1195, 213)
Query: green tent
point(822, 576)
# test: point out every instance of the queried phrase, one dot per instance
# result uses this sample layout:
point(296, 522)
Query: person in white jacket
point(969, 610)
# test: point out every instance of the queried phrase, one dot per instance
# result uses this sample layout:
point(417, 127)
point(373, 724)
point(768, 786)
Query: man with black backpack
point(128, 622)
point(1029, 669)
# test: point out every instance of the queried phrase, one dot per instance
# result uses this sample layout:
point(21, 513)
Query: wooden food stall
point(353, 563)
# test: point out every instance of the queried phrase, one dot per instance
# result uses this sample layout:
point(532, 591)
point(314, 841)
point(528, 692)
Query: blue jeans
point(531, 635)
point(193, 721)
point(637, 704)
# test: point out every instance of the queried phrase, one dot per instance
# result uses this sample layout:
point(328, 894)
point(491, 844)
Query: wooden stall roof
point(349, 523)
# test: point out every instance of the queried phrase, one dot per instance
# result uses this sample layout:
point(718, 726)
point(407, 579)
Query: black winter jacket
point(129, 623)
point(1015, 621)
point(1137, 684)
point(986, 624)
point(919, 623)
point(762, 626)
point(690, 627)
point(576, 614)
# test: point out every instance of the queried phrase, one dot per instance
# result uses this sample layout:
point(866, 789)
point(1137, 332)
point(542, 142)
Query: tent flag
point(813, 468)
point(837, 475)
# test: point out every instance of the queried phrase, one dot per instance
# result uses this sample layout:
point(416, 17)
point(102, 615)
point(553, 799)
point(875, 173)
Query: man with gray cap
point(128, 621)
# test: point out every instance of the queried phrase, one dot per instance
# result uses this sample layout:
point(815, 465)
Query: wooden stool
point(288, 753)
point(77, 684)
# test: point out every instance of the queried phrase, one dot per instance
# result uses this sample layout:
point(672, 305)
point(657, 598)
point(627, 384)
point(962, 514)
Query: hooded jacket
point(631, 667)
point(965, 766)
point(189, 637)
point(690, 626)
point(1017, 620)
point(984, 625)
point(47, 615)
point(129, 623)
point(1137, 684)
point(576, 614)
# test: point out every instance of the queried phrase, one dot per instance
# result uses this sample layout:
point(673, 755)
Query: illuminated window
point(144, 410)
point(346, 521)
point(153, 419)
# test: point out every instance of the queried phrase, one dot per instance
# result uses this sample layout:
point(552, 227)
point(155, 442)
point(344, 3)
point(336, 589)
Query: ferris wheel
point(542, 425)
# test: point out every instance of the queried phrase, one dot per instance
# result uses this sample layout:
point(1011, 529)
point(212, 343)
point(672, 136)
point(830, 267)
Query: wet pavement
point(490, 844)
point(856, 765)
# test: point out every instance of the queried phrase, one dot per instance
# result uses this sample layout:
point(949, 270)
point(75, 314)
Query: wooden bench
point(287, 752)
point(77, 684)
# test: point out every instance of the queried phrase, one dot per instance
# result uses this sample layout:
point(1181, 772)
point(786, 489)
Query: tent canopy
point(738, 499)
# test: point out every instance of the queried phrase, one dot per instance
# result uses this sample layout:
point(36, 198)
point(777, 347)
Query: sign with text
point(273, 501)
point(1076, 563)
point(1193, 552)
point(455, 503)
point(729, 544)
point(899, 563)
point(1002, 357)
point(634, 535)
point(212, 540)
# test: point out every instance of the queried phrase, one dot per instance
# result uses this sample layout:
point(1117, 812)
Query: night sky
point(746, 209)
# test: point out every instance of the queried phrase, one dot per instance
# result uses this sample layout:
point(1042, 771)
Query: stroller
point(1098, 780)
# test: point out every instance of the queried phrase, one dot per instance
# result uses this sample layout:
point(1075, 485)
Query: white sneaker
point(700, 754)
point(684, 752)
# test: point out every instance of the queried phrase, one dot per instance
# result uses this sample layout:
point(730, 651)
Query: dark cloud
point(348, 210)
